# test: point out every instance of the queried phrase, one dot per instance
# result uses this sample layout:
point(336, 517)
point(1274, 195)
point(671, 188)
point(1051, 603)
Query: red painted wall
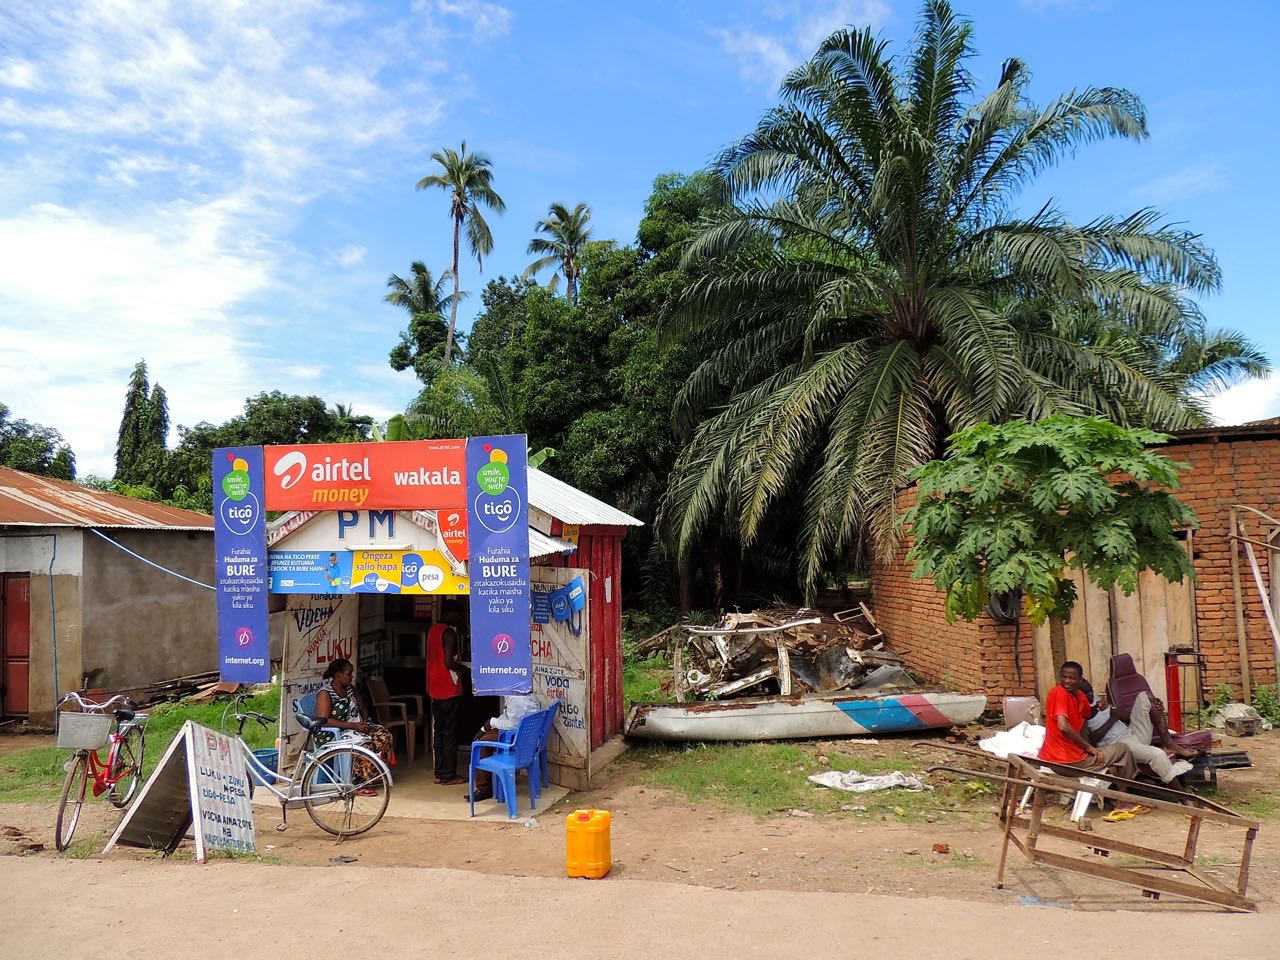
point(600, 553)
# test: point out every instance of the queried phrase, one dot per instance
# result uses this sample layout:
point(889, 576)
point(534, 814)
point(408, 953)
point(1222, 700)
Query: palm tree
point(565, 233)
point(872, 289)
point(426, 302)
point(468, 178)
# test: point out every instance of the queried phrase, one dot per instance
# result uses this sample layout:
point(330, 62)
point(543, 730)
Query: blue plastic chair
point(548, 724)
point(506, 761)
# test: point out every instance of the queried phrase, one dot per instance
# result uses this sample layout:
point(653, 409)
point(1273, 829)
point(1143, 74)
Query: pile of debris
point(781, 651)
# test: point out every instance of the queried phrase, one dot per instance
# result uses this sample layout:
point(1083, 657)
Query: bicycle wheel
point(126, 770)
point(73, 789)
point(338, 801)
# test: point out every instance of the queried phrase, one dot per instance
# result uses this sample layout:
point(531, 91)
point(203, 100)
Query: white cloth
point(855, 782)
point(514, 709)
point(1117, 731)
point(1024, 740)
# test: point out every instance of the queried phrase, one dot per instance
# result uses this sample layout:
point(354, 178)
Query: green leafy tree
point(425, 301)
point(268, 419)
point(1016, 506)
point(141, 444)
point(564, 234)
point(873, 289)
point(34, 448)
point(468, 179)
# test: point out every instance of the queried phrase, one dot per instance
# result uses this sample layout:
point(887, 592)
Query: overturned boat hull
point(805, 716)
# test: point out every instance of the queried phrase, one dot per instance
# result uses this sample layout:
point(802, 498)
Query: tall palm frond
point(468, 179)
point(565, 233)
point(871, 289)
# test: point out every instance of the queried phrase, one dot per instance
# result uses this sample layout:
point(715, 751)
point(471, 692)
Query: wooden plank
point(1046, 669)
point(1098, 626)
point(1126, 626)
point(1152, 589)
point(1075, 632)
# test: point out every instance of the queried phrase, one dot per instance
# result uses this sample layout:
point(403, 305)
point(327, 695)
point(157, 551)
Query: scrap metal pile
point(781, 651)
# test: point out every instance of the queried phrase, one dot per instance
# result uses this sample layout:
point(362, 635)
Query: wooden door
point(1157, 617)
point(15, 644)
point(562, 671)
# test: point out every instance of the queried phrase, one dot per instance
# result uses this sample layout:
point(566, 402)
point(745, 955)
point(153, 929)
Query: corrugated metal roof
point(31, 501)
point(568, 504)
point(540, 545)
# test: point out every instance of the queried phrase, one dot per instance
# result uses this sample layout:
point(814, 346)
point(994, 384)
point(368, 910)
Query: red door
point(15, 643)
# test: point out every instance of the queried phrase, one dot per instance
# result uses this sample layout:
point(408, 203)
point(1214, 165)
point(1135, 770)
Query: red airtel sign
point(402, 475)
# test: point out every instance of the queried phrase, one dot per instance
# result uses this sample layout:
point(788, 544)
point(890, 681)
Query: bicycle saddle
point(124, 714)
point(310, 724)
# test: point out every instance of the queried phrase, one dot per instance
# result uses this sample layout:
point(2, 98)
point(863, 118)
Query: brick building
point(1228, 466)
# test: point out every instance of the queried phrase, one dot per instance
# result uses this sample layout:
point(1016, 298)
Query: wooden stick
point(1242, 639)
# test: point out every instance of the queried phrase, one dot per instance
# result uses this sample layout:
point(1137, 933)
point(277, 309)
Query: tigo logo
point(296, 462)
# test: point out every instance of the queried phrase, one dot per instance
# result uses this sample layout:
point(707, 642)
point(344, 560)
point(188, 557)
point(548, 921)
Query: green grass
point(1260, 804)
point(36, 775)
point(642, 680)
point(770, 778)
point(82, 848)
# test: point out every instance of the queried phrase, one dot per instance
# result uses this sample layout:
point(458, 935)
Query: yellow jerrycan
point(586, 844)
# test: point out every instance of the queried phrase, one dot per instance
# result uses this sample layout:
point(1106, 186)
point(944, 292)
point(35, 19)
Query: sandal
point(1115, 816)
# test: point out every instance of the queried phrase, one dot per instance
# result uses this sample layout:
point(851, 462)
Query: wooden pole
point(1241, 637)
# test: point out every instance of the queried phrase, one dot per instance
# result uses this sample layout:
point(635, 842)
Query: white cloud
point(158, 157)
point(351, 255)
point(1252, 400)
point(767, 56)
point(484, 20)
point(1180, 184)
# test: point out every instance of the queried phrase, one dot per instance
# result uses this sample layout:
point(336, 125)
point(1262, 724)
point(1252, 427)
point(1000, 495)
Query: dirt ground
point(659, 836)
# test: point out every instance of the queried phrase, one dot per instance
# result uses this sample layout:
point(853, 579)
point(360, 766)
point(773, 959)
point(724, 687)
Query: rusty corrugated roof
point(28, 500)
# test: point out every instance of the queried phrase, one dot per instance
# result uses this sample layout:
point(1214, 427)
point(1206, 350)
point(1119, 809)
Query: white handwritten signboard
point(319, 628)
point(201, 783)
point(220, 789)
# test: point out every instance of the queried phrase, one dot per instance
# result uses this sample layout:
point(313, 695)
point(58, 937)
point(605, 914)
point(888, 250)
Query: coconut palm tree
point(468, 179)
point(565, 232)
point(426, 302)
point(873, 288)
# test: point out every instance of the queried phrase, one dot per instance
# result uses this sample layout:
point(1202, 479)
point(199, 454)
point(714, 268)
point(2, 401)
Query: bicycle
point(324, 779)
point(87, 732)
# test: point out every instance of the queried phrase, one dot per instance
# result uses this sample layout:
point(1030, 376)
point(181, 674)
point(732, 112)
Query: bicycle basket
point(84, 731)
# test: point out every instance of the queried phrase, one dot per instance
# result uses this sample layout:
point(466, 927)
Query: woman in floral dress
point(338, 705)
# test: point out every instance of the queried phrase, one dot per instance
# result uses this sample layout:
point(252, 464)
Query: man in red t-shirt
point(1065, 711)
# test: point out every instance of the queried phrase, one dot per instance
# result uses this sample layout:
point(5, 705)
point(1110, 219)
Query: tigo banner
point(240, 549)
point(498, 540)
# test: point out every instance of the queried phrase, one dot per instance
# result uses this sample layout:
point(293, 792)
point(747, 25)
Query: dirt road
point(50, 908)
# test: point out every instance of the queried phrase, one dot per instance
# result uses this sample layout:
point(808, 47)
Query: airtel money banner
point(401, 475)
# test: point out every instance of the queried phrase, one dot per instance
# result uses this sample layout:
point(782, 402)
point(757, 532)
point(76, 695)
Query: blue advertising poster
point(310, 571)
point(498, 562)
point(240, 567)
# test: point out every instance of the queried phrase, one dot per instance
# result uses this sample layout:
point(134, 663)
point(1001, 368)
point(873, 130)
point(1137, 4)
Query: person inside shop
point(444, 687)
point(514, 709)
point(339, 706)
point(1066, 710)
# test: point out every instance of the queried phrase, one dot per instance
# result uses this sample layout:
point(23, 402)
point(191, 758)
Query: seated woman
point(338, 705)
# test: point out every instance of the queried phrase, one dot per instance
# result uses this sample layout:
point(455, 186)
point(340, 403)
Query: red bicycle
point(86, 732)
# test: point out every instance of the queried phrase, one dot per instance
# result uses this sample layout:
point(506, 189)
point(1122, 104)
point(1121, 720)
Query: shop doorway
point(15, 644)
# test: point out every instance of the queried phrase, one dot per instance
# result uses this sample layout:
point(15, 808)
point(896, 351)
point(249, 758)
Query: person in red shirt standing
point(1065, 710)
point(444, 687)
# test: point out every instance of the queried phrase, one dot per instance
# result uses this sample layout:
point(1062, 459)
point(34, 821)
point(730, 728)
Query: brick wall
point(1245, 471)
point(973, 657)
point(979, 656)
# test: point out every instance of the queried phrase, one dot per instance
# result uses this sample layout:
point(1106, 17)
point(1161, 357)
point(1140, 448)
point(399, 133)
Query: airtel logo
point(296, 462)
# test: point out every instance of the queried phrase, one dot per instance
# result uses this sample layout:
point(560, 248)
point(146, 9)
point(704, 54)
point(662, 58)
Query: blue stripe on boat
point(881, 716)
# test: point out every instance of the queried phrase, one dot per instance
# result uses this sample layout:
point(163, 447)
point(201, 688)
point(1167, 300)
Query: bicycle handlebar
point(89, 705)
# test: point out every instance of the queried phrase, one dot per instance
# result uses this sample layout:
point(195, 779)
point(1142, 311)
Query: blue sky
point(223, 187)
